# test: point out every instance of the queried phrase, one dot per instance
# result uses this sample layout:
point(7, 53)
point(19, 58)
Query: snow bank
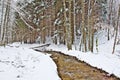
point(20, 63)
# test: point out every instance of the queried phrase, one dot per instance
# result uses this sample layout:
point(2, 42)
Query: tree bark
point(116, 34)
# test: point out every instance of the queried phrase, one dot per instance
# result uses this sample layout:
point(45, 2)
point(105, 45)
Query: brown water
point(69, 68)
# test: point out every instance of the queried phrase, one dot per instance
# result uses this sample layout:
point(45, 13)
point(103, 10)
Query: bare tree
point(116, 29)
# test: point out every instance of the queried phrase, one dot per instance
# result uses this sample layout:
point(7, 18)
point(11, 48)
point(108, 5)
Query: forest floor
point(69, 68)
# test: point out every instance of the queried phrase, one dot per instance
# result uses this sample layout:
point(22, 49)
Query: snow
point(21, 63)
point(104, 59)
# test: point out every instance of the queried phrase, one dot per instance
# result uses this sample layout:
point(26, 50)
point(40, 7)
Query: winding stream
point(69, 68)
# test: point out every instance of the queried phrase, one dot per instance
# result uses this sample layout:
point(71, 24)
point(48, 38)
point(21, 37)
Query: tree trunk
point(89, 27)
point(67, 24)
point(117, 26)
point(110, 19)
point(4, 34)
point(83, 27)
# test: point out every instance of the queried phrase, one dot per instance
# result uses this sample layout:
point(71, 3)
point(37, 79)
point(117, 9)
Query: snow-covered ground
point(19, 62)
point(104, 59)
point(22, 63)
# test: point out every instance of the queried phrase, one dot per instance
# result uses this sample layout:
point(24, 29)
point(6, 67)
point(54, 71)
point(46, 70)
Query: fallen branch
point(44, 45)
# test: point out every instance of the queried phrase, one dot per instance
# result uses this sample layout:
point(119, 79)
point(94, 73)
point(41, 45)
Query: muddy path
point(69, 68)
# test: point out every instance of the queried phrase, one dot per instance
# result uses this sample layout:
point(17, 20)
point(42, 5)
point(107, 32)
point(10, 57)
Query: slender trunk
point(89, 26)
point(5, 23)
point(43, 29)
point(116, 30)
point(83, 26)
point(55, 27)
point(72, 19)
point(110, 19)
point(92, 25)
point(67, 24)
point(74, 14)
point(2, 22)
point(70, 37)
